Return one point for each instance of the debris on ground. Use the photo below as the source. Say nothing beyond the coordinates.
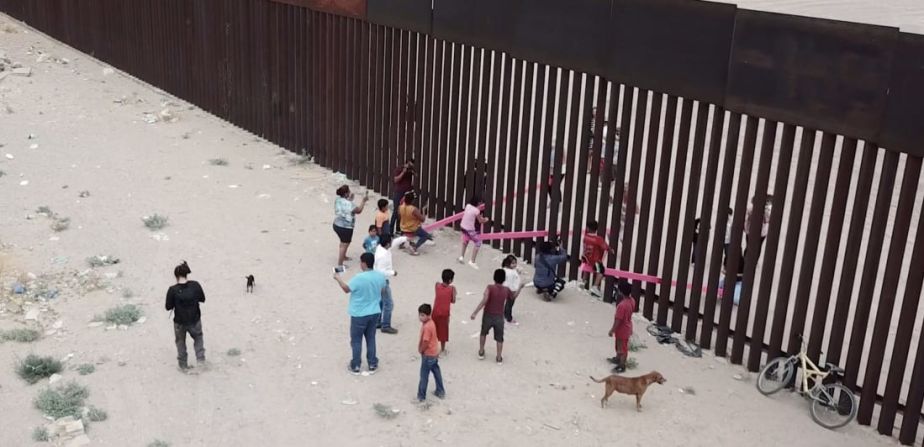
(385, 411)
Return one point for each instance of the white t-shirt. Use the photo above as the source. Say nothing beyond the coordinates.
(513, 279)
(468, 218)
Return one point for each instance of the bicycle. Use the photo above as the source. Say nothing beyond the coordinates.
(830, 399)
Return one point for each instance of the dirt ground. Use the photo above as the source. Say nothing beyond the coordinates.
(264, 216)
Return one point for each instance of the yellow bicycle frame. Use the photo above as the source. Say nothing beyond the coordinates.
(810, 370)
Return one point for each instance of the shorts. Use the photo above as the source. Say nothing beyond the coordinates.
(442, 327)
(597, 267)
(622, 346)
(495, 322)
(345, 234)
(471, 236)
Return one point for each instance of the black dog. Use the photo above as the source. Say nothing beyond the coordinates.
(250, 283)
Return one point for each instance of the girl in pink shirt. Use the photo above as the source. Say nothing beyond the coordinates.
(470, 233)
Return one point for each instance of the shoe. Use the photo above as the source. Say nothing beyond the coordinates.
(546, 296)
(389, 330)
(595, 291)
(473, 265)
(353, 371)
(619, 369)
(480, 355)
(499, 360)
(439, 395)
(373, 369)
(461, 260)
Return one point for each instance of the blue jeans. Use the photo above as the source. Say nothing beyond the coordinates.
(395, 218)
(388, 305)
(422, 236)
(428, 364)
(361, 327)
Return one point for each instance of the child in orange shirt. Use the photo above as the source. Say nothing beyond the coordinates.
(429, 350)
(382, 217)
(445, 296)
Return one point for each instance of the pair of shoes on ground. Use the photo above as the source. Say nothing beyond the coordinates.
(498, 359)
(438, 396)
(619, 368)
(356, 371)
(470, 263)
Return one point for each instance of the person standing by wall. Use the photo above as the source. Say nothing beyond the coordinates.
(404, 183)
(345, 218)
(183, 298)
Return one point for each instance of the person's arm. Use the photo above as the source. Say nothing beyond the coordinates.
(343, 285)
(169, 304)
(362, 204)
(516, 293)
(616, 323)
(401, 174)
(419, 215)
(201, 293)
(453, 295)
(481, 305)
(425, 337)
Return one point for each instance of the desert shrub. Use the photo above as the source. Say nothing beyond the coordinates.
(631, 363)
(96, 415)
(102, 260)
(22, 335)
(127, 293)
(34, 368)
(385, 411)
(44, 210)
(234, 352)
(155, 221)
(65, 400)
(86, 368)
(635, 345)
(218, 162)
(40, 434)
(60, 224)
(124, 314)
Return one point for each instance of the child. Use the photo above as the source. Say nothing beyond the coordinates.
(622, 329)
(382, 217)
(546, 279)
(372, 241)
(445, 297)
(511, 282)
(412, 219)
(383, 265)
(595, 248)
(470, 231)
(495, 296)
(429, 351)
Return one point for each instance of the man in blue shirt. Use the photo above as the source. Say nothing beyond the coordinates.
(365, 309)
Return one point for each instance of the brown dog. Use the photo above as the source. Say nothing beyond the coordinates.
(629, 385)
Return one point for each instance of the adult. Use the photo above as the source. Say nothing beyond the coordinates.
(412, 219)
(183, 298)
(404, 183)
(366, 290)
(546, 279)
(345, 212)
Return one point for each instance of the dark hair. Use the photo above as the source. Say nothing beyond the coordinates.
(368, 259)
(506, 262)
(474, 200)
(373, 227)
(545, 247)
(383, 203)
(425, 309)
(182, 270)
(385, 240)
(625, 287)
(410, 197)
(500, 276)
(343, 190)
(448, 276)
(592, 226)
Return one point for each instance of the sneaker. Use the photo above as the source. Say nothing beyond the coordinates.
(461, 260)
(480, 355)
(546, 296)
(373, 369)
(353, 371)
(473, 265)
(619, 369)
(389, 330)
(595, 291)
(499, 360)
(439, 395)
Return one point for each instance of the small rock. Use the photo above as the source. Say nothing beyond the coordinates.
(32, 136)
(54, 379)
(24, 183)
(58, 324)
(73, 427)
(22, 71)
(122, 363)
(111, 327)
(142, 320)
(33, 146)
(9, 156)
(108, 71)
(95, 324)
(123, 327)
(32, 314)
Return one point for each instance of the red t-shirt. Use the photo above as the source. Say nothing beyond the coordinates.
(594, 248)
(405, 184)
(443, 300)
(498, 294)
(623, 319)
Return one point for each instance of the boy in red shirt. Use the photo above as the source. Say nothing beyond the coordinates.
(445, 297)
(595, 248)
(429, 349)
(495, 298)
(622, 331)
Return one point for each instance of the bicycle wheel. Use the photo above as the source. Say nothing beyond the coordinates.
(833, 405)
(775, 375)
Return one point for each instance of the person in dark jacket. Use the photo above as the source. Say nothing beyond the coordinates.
(546, 279)
(183, 299)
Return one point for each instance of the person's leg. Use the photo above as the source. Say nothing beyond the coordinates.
(438, 378)
(179, 335)
(499, 338)
(395, 218)
(508, 311)
(481, 342)
(198, 341)
(388, 306)
(464, 247)
(424, 379)
(598, 279)
(500, 351)
(475, 252)
(369, 334)
(422, 237)
(356, 342)
(343, 251)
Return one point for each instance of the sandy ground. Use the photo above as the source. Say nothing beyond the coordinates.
(260, 215)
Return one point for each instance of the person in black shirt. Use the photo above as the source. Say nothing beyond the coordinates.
(183, 298)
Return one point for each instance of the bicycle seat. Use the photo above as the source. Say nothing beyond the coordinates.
(832, 368)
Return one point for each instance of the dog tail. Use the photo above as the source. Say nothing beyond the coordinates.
(595, 380)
